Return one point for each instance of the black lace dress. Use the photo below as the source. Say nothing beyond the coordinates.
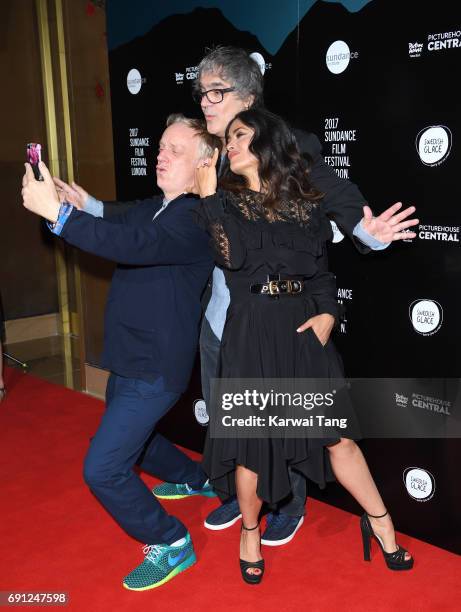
(260, 338)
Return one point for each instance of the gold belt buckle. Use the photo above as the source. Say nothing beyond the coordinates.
(274, 288)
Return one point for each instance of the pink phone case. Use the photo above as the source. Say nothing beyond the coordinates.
(34, 156)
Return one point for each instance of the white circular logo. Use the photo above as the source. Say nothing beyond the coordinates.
(419, 483)
(426, 316)
(337, 234)
(434, 144)
(338, 57)
(134, 81)
(258, 58)
(200, 412)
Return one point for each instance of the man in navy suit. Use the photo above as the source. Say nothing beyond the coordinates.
(151, 334)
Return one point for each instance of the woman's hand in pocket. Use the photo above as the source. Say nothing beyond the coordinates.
(321, 325)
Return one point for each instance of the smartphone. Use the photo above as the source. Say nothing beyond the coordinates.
(34, 156)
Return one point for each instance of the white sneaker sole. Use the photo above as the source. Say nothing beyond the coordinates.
(285, 540)
(223, 525)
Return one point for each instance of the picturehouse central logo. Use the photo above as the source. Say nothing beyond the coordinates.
(426, 316)
(338, 56)
(419, 483)
(134, 81)
(433, 144)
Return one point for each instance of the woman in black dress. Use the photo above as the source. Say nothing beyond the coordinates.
(267, 224)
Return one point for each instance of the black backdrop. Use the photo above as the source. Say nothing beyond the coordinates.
(398, 79)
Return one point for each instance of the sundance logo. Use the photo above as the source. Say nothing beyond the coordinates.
(338, 56)
(434, 144)
(426, 316)
(419, 483)
(259, 59)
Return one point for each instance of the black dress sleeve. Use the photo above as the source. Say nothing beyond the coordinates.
(322, 285)
(218, 215)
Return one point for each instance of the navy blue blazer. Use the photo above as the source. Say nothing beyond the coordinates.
(153, 309)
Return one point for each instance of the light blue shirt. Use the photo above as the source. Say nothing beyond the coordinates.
(220, 296)
(94, 207)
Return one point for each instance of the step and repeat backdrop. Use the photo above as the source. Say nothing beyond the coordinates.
(376, 80)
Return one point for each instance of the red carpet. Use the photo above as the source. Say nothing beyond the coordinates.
(56, 537)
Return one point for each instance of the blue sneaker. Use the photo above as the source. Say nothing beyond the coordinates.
(280, 529)
(161, 564)
(223, 516)
(169, 490)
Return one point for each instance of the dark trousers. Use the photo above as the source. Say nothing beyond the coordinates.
(133, 408)
(209, 358)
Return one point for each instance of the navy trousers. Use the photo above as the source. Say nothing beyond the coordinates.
(133, 408)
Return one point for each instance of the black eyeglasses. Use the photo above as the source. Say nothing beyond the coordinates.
(215, 96)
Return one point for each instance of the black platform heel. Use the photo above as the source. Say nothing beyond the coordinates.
(246, 565)
(395, 560)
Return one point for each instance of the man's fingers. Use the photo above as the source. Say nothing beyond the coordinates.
(61, 194)
(29, 175)
(401, 226)
(79, 190)
(402, 215)
(61, 184)
(390, 212)
(367, 213)
(45, 173)
(404, 236)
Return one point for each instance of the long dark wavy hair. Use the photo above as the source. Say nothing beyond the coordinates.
(283, 172)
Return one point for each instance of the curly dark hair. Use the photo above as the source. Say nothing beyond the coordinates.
(283, 172)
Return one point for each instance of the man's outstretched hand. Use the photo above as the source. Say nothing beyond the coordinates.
(389, 225)
(40, 197)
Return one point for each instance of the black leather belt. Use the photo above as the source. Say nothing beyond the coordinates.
(276, 286)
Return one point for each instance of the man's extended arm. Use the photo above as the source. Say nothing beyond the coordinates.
(82, 200)
(173, 240)
(343, 200)
(108, 210)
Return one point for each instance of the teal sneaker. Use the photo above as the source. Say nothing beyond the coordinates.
(161, 564)
(169, 490)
